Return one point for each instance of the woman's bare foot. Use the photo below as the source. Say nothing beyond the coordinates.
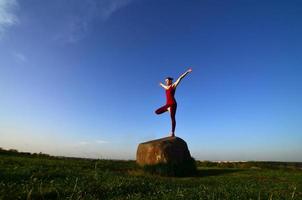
(172, 135)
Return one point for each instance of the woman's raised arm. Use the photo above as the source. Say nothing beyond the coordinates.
(175, 84)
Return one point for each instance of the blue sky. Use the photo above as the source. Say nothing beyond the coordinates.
(80, 78)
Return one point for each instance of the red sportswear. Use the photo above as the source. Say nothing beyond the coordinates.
(170, 95)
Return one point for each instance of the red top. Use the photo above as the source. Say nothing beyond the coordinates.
(170, 95)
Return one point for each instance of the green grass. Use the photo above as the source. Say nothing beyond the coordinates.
(41, 177)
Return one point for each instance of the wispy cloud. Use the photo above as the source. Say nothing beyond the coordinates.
(108, 7)
(83, 143)
(90, 143)
(19, 57)
(83, 13)
(101, 142)
(8, 16)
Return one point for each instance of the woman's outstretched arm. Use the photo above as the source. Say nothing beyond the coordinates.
(165, 87)
(175, 84)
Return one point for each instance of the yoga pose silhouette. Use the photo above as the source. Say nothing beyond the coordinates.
(171, 103)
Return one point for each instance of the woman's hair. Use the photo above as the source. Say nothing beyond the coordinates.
(169, 78)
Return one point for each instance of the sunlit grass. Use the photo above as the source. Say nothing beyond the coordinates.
(34, 177)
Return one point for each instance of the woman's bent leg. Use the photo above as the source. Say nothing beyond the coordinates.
(162, 109)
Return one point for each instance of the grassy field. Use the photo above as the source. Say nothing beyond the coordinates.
(43, 177)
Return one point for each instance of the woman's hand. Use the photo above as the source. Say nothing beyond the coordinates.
(162, 85)
(189, 70)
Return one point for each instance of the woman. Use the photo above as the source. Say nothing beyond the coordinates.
(171, 103)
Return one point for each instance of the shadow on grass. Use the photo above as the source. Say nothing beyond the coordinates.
(186, 168)
(215, 172)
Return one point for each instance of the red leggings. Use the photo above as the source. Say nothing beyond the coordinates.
(172, 113)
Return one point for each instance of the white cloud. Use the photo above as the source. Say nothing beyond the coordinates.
(75, 19)
(83, 143)
(91, 143)
(107, 8)
(78, 22)
(8, 17)
(19, 57)
(101, 141)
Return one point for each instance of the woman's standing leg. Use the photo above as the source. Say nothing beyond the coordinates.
(172, 110)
